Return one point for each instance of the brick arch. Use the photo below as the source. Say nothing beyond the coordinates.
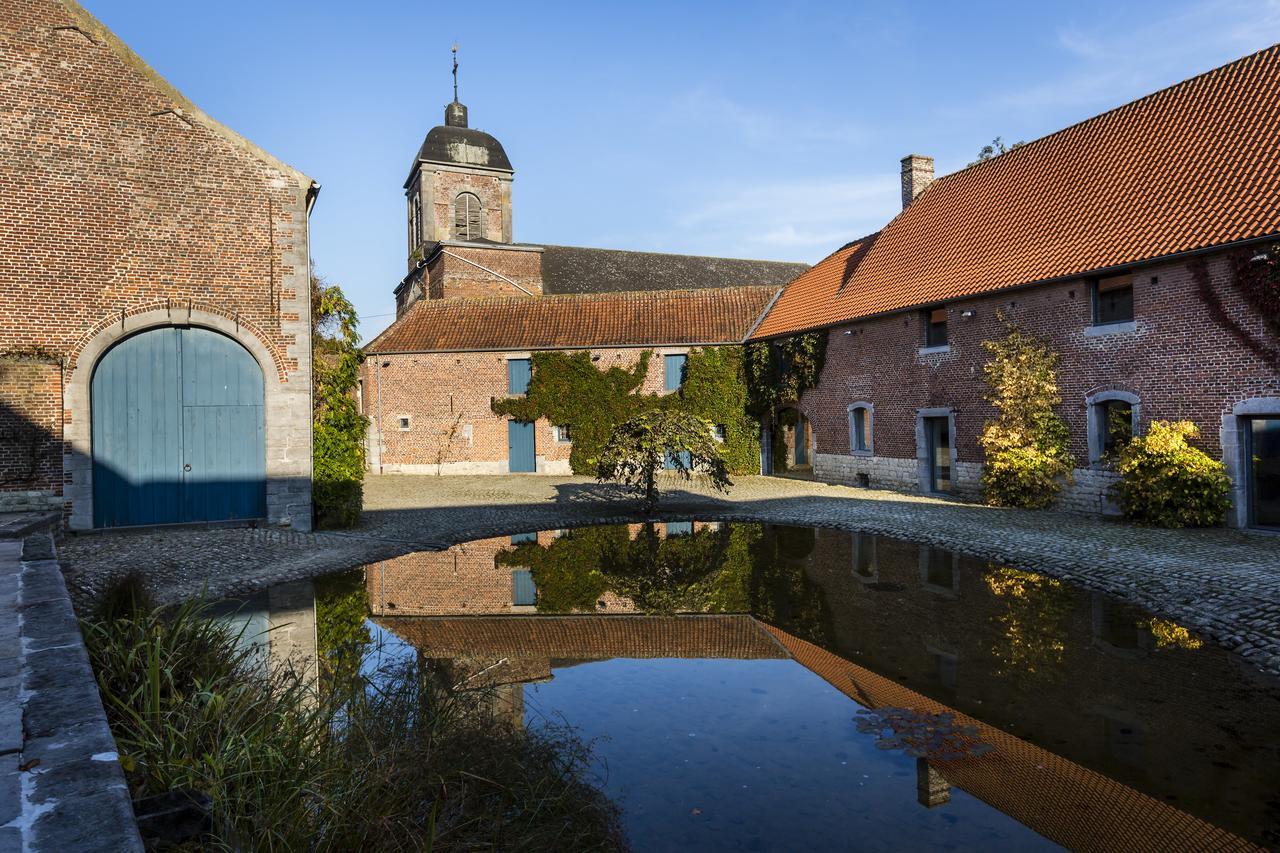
(88, 351)
(98, 338)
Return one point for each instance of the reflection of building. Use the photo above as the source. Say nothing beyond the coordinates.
(279, 624)
(1050, 794)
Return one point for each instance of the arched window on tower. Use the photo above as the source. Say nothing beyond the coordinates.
(468, 217)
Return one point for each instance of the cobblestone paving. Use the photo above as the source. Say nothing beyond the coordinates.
(1222, 583)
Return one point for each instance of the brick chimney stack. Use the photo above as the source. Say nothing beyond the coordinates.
(917, 173)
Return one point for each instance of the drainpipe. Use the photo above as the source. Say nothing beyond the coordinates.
(378, 382)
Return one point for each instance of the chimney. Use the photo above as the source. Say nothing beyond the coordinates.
(917, 173)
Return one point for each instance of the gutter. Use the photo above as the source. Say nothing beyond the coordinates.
(1009, 288)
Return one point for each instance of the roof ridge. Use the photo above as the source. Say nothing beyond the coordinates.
(670, 254)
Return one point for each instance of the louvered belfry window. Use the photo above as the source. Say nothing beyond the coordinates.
(468, 217)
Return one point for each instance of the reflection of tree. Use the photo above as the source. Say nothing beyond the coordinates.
(342, 604)
(1170, 635)
(738, 568)
(1032, 642)
(706, 571)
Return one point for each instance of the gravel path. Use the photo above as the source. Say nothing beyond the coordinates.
(1222, 583)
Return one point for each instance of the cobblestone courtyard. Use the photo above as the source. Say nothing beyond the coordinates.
(1222, 583)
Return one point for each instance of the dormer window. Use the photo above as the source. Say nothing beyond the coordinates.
(468, 217)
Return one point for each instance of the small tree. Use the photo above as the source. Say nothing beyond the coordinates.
(1025, 447)
(995, 149)
(339, 429)
(646, 443)
(1166, 482)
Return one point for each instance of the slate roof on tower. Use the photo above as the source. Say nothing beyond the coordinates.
(643, 318)
(1193, 166)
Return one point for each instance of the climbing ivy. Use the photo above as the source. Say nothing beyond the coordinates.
(338, 427)
(780, 370)
(568, 389)
(1255, 276)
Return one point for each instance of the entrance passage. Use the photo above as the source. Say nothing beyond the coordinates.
(938, 437)
(521, 453)
(1263, 438)
(178, 431)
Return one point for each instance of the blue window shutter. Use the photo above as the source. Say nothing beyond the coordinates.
(523, 591)
(674, 367)
(519, 372)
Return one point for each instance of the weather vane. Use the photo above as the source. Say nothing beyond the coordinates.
(455, 72)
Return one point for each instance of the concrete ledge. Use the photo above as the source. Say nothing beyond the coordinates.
(72, 793)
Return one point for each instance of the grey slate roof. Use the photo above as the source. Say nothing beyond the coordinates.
(577, 269)
(465, 146)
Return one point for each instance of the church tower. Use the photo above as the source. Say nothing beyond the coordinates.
(459, 186)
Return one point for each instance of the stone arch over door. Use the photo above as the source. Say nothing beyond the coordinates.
(177, 430)
(286, 412)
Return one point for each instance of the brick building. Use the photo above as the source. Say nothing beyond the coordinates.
(155, 357)
(1125, 241)
(474, 306)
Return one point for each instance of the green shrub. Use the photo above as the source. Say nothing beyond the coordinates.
(1025, 446)
(338, 433)
(1166, 482)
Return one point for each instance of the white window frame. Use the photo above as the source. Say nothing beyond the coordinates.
(404, 422)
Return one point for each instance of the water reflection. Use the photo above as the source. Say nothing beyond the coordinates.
(1012, 702)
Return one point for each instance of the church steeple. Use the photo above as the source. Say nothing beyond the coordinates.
(455, 115)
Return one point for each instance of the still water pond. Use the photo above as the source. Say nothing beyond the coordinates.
(757, 687)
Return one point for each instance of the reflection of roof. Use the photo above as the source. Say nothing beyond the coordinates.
(1191, 166)
(657, 318)
(1068, 804)
(578, 269)
(587, 637)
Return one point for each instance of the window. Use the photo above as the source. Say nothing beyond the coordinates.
(860, 421)
(674, 369)
(935, 333)
(679, 528)
(717, 432)
(415, 221)
(864, 557)
(523, 591)
(519, 372)
(1113, 300)
(1112, 422)
(468, 217)
(563, 434)
(404, 424)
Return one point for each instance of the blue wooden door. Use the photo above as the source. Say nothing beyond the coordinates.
(521, 453)
(178, 431)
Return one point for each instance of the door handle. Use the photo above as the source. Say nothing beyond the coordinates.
(186, 467)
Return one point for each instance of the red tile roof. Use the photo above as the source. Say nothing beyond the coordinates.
(656, 318)
(1192, 166)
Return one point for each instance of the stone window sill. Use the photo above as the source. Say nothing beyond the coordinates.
(934, 350)
(862, 453)
(1111, 329)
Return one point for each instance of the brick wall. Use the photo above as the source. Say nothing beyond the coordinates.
(446, 397)
(1174, 358)
(483, 272)
(122, 205)
(30, 433)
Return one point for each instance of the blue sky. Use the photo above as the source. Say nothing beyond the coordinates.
(769, 129)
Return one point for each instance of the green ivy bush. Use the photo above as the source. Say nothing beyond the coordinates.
(1166, 482)
(338, 428)
(1025, 446)
(780, 370)
(715, 388)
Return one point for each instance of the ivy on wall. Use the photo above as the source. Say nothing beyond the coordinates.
(778, 371)
(1256, 277)
(569, 390)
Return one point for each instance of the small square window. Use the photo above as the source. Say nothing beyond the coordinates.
(935, 327)
(1113, 300)
(563, 434)
(717, 432)
(404, 424)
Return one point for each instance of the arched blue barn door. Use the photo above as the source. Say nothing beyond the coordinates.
(178, 431)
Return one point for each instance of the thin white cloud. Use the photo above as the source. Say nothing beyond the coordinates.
(706, 107)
